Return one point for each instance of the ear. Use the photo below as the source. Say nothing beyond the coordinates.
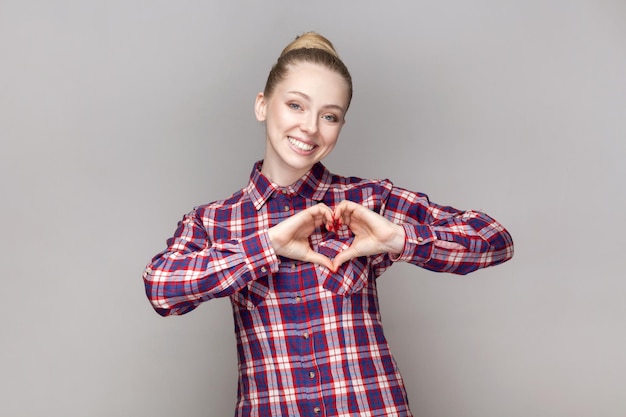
(260, 107)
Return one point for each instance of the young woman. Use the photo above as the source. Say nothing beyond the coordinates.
(298, 251)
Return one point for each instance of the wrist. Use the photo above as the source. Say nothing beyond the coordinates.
(397, 243)
(273, 238)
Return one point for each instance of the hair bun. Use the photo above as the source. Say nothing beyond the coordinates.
(310, 47)
(311, 40)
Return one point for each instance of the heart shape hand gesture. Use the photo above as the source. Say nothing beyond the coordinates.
(373, 234)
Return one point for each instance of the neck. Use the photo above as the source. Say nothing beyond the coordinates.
(281, 174)
(281, 177)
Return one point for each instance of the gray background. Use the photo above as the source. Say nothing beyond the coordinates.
(116, 117)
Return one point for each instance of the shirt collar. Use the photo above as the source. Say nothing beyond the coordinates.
(313, 185)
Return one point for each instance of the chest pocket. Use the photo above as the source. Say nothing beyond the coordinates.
(351, 277)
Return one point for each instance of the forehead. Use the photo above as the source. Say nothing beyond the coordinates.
(317, 82)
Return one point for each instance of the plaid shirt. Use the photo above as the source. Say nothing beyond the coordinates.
(310, 342)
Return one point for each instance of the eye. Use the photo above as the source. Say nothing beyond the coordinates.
(294, 106)
(330, 118)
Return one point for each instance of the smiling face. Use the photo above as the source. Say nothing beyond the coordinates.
(303, 118)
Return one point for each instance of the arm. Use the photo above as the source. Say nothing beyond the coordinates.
(412, 229)
(445, 239)
(192, 269)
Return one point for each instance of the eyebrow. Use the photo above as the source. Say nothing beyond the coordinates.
(305, 96)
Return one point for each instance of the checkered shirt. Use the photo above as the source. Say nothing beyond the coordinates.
(310, 342)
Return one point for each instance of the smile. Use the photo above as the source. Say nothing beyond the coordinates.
(300, 145)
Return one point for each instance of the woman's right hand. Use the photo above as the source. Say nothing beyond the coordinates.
(290, 238)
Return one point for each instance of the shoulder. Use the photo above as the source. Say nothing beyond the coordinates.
(218, 208)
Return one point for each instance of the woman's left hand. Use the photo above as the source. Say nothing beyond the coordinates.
(373, 234)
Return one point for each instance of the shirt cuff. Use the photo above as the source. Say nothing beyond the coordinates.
(259, 254)
(418, 244)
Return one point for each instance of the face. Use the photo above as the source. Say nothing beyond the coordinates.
(303, 118)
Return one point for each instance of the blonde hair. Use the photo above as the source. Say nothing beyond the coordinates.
(309, 47)
(311, 40)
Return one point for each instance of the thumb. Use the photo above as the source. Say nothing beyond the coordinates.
(344, 256)
(318, 258)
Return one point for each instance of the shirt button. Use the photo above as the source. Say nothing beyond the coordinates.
(286, 208)
(298, 298)
(420, 239)
(293, 267)
(263, 269)
(317, 410)
(305, 335)
(311, 374)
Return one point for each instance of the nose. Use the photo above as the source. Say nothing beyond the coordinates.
(309, 123)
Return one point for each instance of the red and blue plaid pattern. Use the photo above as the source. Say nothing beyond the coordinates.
(310, 342)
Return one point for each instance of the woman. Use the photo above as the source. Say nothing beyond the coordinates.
(299, 249)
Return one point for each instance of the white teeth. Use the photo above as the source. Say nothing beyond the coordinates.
(300, 145)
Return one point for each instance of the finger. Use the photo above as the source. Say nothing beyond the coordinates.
(321, 208)
(341, 208)
(344, 256)
(307, 220)
(321, 213)
(320, 259)
(345, 210)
